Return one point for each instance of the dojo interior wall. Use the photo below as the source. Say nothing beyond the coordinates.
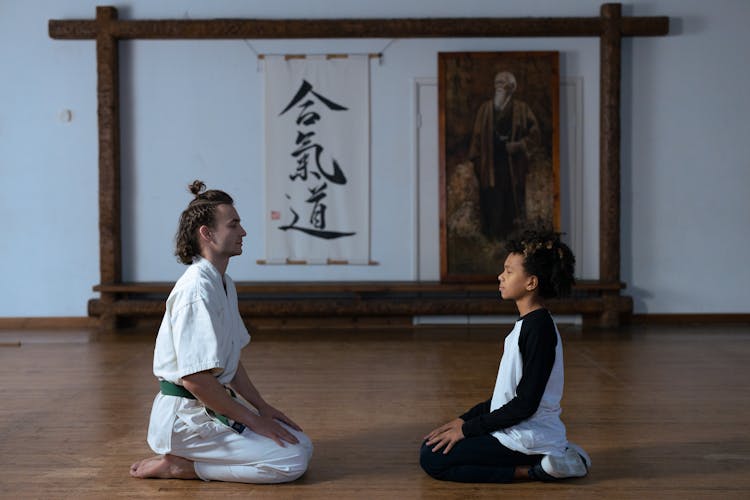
(193, 109)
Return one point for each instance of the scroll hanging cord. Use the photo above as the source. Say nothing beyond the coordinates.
(380, 55)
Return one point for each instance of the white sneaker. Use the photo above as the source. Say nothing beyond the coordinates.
(585, 456)
(574, 463)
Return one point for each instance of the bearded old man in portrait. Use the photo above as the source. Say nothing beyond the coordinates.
(506, 134)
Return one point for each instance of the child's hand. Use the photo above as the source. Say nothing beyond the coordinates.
(446, 436)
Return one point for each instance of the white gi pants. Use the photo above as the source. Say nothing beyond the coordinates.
(243, 458)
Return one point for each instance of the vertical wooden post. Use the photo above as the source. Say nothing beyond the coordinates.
(108, 111)
(609, 152)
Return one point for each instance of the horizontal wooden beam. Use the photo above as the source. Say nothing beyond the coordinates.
(47, 323)
(691, 318)
(478, 27)
(383, 287)
(373, 307)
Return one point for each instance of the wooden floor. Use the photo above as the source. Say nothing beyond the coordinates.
(664, 411)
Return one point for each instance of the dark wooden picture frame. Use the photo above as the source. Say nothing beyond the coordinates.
(499, 155)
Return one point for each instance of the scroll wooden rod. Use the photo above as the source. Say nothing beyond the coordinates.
(329, 262)
(480, 27)
(328, 56)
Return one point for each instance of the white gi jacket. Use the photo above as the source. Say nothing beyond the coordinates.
(201, 330)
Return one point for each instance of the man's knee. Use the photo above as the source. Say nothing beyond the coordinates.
(298, 462)
(305, 443)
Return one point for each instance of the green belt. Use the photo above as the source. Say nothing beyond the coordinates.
(170, 389)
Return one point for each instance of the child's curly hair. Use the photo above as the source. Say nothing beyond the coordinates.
(547, 258)
(199, 212)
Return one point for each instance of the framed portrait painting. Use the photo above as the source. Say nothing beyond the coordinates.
(499, 156)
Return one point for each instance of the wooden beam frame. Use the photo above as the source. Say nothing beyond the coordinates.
(107, 30)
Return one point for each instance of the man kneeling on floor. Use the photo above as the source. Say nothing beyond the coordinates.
(199, 427)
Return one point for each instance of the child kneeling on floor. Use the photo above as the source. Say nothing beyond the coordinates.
(518, 434)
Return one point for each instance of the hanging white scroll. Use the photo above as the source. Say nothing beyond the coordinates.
(317, 140)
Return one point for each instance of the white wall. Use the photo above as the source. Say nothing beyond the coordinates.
(193, 110)
(686, 161)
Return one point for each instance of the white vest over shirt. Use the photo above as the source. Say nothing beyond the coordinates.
(543, 432)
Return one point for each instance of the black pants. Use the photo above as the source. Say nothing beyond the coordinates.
(480, 459)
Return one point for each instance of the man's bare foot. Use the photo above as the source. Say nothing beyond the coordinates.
(164, 467)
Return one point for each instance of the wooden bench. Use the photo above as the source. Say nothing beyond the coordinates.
(599, 303)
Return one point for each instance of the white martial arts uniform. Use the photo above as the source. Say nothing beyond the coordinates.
(202, 330)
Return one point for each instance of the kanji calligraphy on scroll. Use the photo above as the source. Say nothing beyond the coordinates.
(317, 159)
